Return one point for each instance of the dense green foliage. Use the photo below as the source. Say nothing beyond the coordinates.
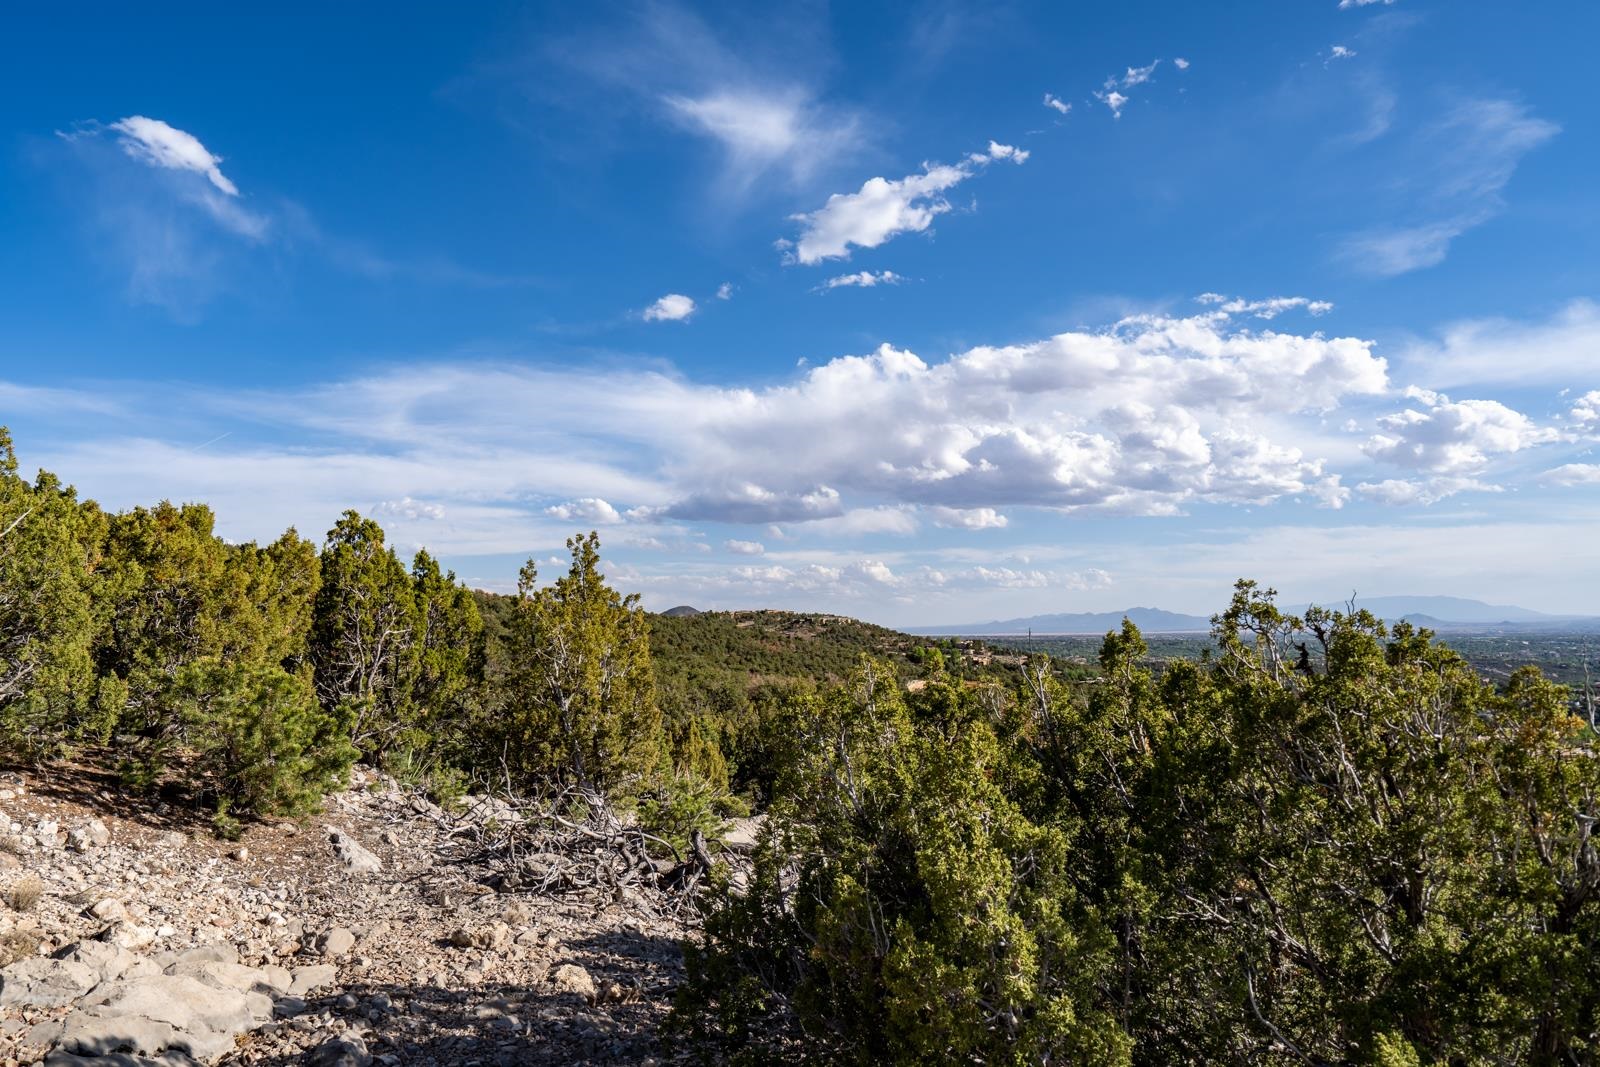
(257, 675)
(1358, 855)
(49, 546)
(580, 703)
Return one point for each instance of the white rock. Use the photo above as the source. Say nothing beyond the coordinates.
(88, 835)
(352, 853)
(39, 982)
(108, 910)
(304, 980)
(570, 978)
(335, 942)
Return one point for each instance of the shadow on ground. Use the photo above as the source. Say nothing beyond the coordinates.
(497, 1024)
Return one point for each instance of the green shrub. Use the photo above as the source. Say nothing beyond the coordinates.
(256, 742)
(905, 911)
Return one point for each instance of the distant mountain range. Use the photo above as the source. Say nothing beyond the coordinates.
(1434, 612)
(1150, 620)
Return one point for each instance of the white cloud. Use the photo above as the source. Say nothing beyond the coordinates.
(1269, 308)
(406, 508)
(1001, 151)
(674, 307)
(864, 279)
(745, 548)
(160, 145)
(757, 99)
(1585, 414)
(1573, 474)
(1181, 63)
(748, 502)
(1137, 75)
(1056, 104)
(589, 509)
(883, 209)
(1463, 164)
(1339, 51)
(1401, 492)
(725, 291)
(761, 129)
(1453, 436)
(1493, 351)
(969, 518)
(1113, 100)
(1151, 415)
(1345, 5)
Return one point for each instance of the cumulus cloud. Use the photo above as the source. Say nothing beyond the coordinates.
(1339, 51)
(725, 291)
(1181, 63)
(1000, 151)
(1113, 100)
(674, 307)
(590, 509)
(749, 502)
(745, 548)
(1400, 492)
(1464, 163)
(1056, 104)
(968, 518)
(1569, 474)
(1151, 415)
(1585, 414)
(865, 279)
(883, 209)
(1453, 437)
(406, 508)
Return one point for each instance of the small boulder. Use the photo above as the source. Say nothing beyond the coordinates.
(742, 833)
(88, 835)
(108, 910)
(346, 1050)
(496, 935)
(306, 980)
(356, 858)
(570, 978)
(126, 934)
(334, 942)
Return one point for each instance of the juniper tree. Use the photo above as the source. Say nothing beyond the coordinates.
(447, 686)
(363, 641)
(49, 543)
(580, 703)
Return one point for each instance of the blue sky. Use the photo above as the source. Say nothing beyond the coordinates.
(922, 314)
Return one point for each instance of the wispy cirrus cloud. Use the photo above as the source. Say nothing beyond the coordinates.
(751, 87)
(160, 210)
(1458, 173)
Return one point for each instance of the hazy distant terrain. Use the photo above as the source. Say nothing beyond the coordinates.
(1438, 613)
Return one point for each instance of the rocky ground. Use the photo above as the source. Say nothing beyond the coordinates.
(383, 930)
